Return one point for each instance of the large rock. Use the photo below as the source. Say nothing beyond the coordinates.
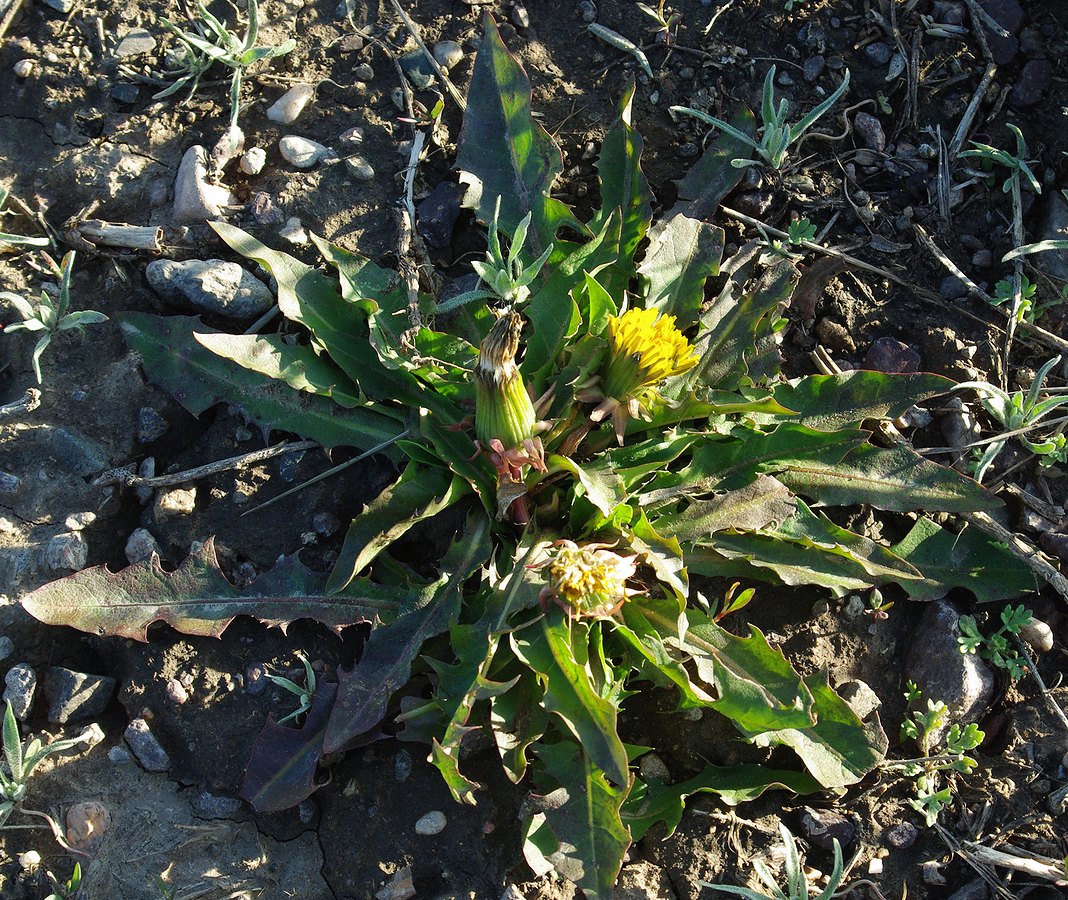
(76, 696)
(196, 198)
(213, 285)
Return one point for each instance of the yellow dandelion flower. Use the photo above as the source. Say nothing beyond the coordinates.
(644, 349)
(589, 581)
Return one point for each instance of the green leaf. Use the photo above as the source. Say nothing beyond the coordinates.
(298, 365)
(419, 494)
(12, 743)
(658, 663)
(599, 482)
(546, 646)
(197, 378)
(624, 189)
(464, 460)
(733, 327)
(504, 152)
(584, 818)
(896, 479)
(762, 503)
(197, 599)
(518, 720)
(756, 687)
(662, 553)
(596, 305)
(969, 560)
(839, 750)
(712, 177)
(648, 804)
(683, 254)
(832, 402)
(385, 665)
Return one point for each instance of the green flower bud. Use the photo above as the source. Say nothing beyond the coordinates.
(503, 409)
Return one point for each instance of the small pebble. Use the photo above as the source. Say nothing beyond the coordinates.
(363, 72)
(141, 545)
(1031, 83)
(196, 197)
(287, 108)
(351, 43)
(813, 67)
(9, 484)
(147, 469)
(875, 866)
(145, 747)
(982, 259)
(399, 887)
(86, 824)
(902, 836)
(878, 54)
(402, 765)
(23, 68)
(174, 503)
(359, 168)
(869, 130)
(125, 92)
(93, 735)
(448, 53)
(353, 136)
(176, 692)
(135, 42)
(119, 754)
(256, 680)
(301, 152)
(520, 16)
(931, 875)
(652, 768)
(253, 160)
(151, 426)
(890, 355)
(264, 211)
(29, 861)
(20, 683)
(306, 811)
(952, 288)
(78, 521)
(588, 11)
(67, 551)
(432, 823)
(325, 523)
(214, 806)
(76, 696)
(293, 232)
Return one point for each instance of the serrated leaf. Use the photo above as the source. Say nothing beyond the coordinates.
(648, 804)
(838, 749)
(659, 664)
(197, 379)
(197, 599)
(712, 177)
(732, 330)
(386, 662)
(518, 720)
(281, 769)
(660, 552)
(504, 152)
(969, 560)
(570, 695)
(897, 479)
(755, 686)
(420, 493)
(683, 254)
(761, 503)
(832, 402)
(585, 820)
(296, 364)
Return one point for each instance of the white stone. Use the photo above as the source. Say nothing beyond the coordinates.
(287, 108)
(195, 197)
(253, 161)
(301, 152)
(432, 823)
(359, 168)
(293, 232)
(23, 68)
(448, 53)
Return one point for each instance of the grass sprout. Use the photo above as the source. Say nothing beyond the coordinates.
(49, 317)
(212, 42)
(776, 136)
(17, 240)
(304, 693)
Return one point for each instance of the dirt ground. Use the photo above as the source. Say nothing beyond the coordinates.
(81, 135)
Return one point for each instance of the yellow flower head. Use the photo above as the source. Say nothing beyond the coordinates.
(644, 348)
(590, 580)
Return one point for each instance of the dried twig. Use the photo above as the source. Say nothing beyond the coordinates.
(1022, 549)
(125, 475)
(457, 97)
(1019, 860)
(9, 16)
(28, 402)
(966, 120)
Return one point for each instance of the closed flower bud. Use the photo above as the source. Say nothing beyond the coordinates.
(503, 409)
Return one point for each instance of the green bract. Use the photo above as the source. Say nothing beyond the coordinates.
(571, 584)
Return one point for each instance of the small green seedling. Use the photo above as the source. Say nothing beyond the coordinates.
(734, 601)
(667, 22)
(17, 240)
(797, 887)
(1017, 165)
(1026, 311)
(50, 317)
(878, 608)
(797, 232)
(776, 136)
(997, 648)
(931, 795)
(1019, 413)
(213, 42)
(507, 279)
(66, 890)
(304, 693)
(21, 760)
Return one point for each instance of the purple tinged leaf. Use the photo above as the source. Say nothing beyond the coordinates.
(281, 770)
(198, 599)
